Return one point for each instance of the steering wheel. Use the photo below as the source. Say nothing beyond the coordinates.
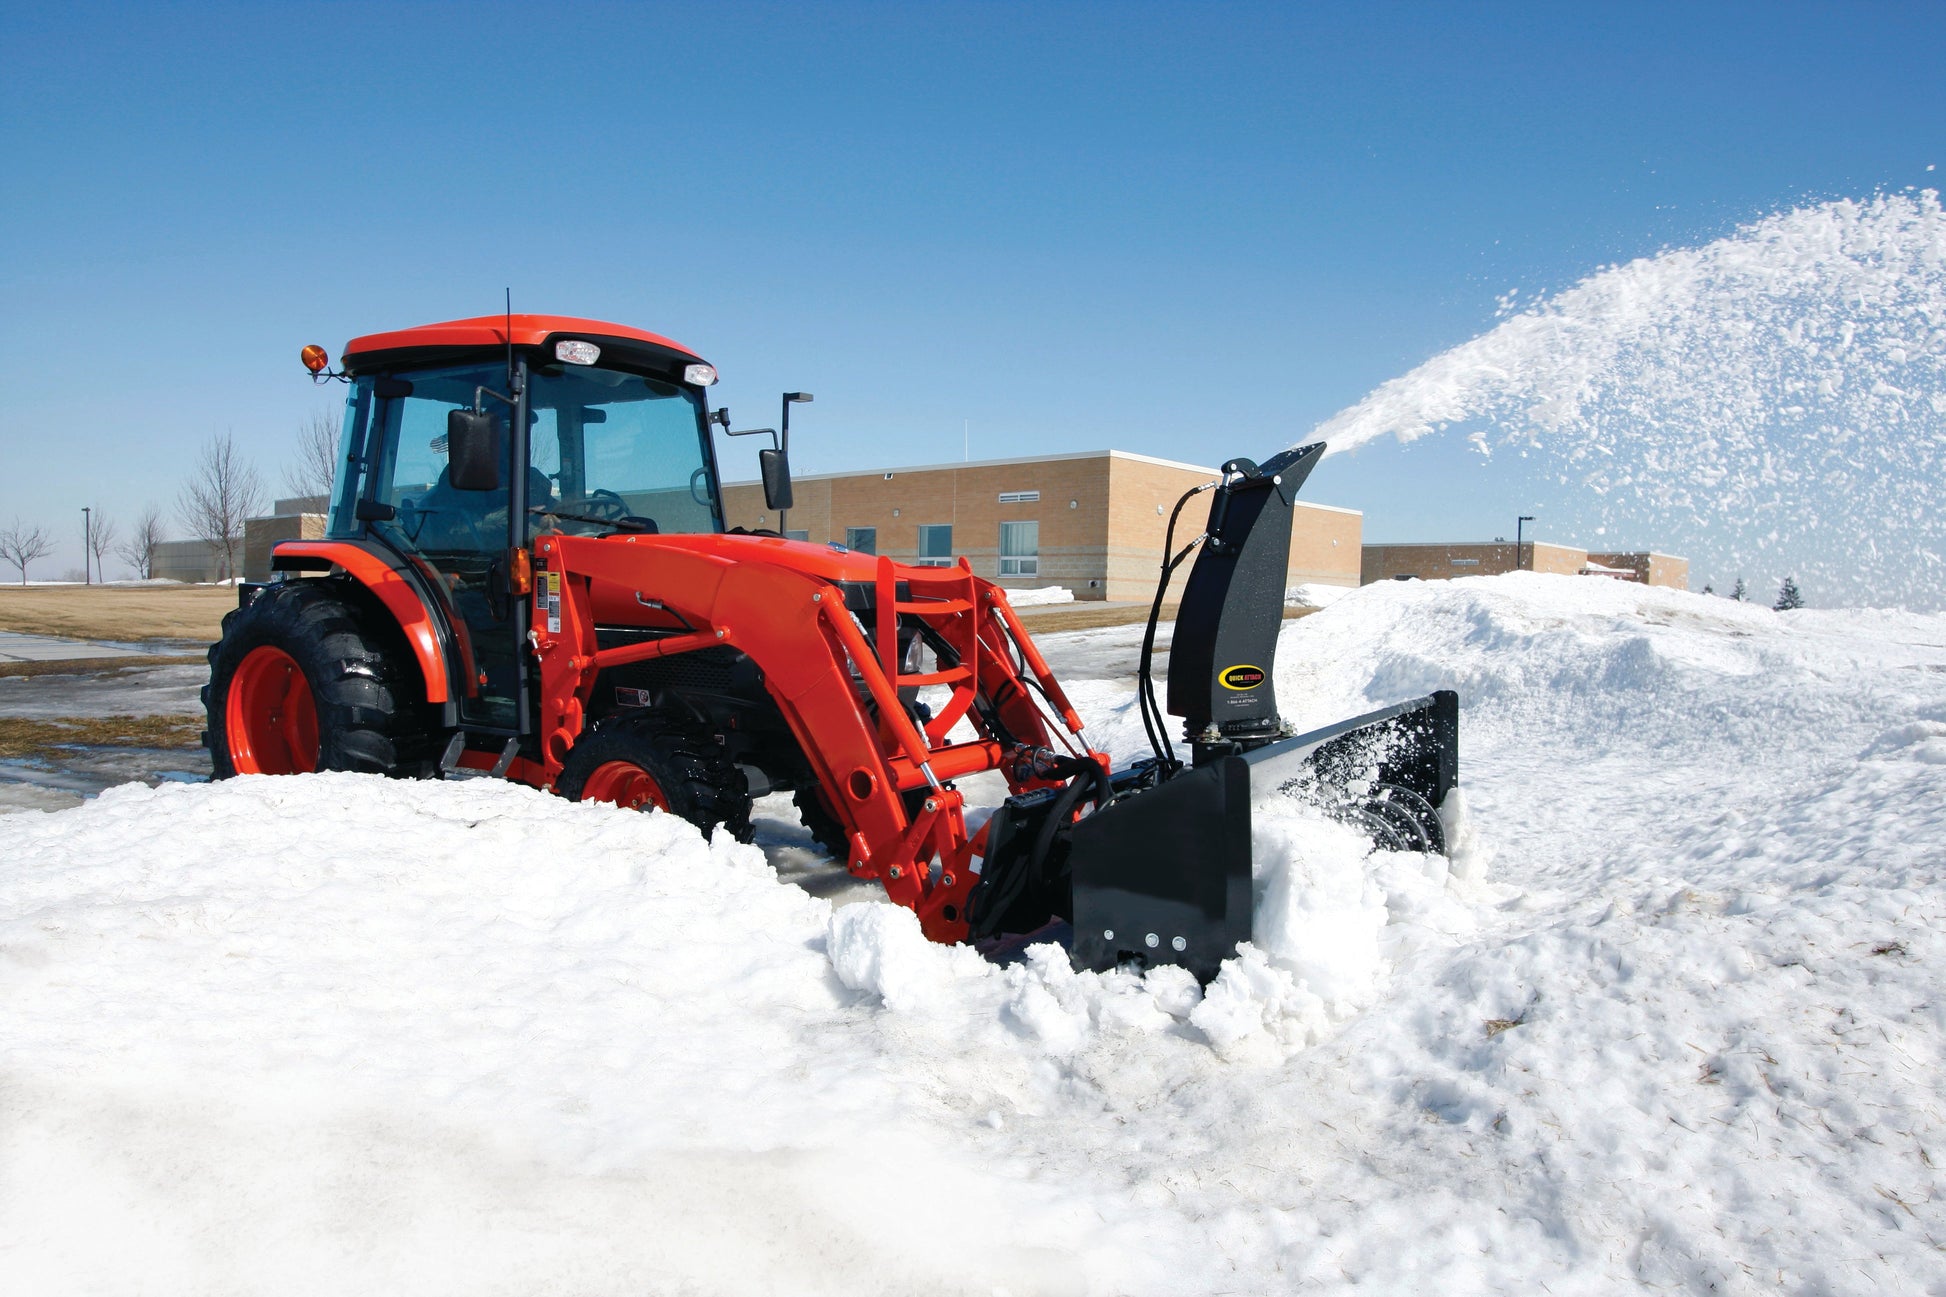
(699, 487)
(411, 519)
(414, 519)
(607, 504)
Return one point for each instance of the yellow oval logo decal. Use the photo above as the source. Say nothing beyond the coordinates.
(1241, 677)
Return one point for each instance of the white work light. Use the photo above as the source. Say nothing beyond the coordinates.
(700, 375)
(577, 353)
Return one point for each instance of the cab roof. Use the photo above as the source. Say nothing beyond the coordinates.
(428, 342)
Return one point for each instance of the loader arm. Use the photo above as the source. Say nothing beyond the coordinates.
(885, 775)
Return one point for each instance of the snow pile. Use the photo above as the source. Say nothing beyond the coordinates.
(333, 1033)
(1771, 402)
(1315, 595)
(1046, 594)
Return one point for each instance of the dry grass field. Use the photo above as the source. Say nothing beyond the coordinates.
(109, 612)
(21, 737)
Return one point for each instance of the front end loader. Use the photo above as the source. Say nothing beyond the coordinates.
(527, 574)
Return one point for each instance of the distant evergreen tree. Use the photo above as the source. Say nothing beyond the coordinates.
(1739, 593)
(1787, 596)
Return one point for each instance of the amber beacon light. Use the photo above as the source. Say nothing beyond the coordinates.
(314, 358)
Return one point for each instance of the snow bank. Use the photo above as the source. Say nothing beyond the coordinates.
(1046, 594)
(1314, 595)
(331, 1033)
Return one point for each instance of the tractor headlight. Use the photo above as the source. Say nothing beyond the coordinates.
(577, 353)
(700, 375)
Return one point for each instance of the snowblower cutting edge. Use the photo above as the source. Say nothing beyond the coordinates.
(526, 574)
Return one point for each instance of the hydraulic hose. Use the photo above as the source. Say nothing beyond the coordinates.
(1086, 779)
(1153, 722)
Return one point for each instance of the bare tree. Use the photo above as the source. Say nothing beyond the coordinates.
(138, 551)
(317, 456)
(21, 545)
(101, 539)
(223, 491)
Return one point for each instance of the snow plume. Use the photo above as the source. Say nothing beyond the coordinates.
(1771, 402)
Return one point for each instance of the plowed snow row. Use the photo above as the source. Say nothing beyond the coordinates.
(1672, 1018)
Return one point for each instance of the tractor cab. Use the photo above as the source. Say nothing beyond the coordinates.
(566, 427)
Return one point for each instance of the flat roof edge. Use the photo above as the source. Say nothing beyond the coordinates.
(1067, 456)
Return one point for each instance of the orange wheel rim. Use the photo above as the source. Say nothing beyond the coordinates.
(626, 785)
(270, 719)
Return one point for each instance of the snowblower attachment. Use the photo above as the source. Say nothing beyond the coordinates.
(1160, 873)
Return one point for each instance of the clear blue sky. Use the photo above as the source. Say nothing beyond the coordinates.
(1186, 230)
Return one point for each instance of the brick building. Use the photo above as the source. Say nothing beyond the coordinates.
(299, 518)
(185, 560)
(1091, 521)
(1440, 560)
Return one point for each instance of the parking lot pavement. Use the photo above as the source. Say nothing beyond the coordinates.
(15, 647)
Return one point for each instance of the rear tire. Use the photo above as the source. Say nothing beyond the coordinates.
(648, 758)
(303, 680)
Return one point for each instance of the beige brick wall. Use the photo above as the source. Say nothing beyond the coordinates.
(1071, 512)
(1144, 493)
(1649, 567)
(1100, 530)
(185, 560)
(259, 534)
(1326, 545)
(1439, 562)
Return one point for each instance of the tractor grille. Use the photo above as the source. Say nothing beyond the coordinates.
(710, 670)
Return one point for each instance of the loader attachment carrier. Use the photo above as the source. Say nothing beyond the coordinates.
(527, 574)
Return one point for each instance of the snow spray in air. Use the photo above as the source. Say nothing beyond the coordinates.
(1773, 402)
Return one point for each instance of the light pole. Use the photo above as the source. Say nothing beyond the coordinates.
(790, 399)
(87, 537)
(1520, 525)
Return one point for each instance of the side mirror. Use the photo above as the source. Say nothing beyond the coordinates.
(472, 451)
(775, 465)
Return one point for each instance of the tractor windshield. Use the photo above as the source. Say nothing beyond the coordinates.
(616, 447)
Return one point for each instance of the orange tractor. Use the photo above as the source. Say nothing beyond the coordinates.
(527, 574)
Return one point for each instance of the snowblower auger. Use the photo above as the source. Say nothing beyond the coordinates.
(1160, 872)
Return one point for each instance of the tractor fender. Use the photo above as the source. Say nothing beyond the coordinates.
(379, 573)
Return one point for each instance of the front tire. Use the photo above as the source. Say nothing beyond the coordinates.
(303, 680)
(827, 830)
(640, 759)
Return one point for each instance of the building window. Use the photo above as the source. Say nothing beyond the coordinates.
(1019, 497)
(1020, 549)
(861, 540)
(935, 545)
(794, 534)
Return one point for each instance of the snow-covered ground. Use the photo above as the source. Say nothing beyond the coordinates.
(1671, 1019)
(1040, 596)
